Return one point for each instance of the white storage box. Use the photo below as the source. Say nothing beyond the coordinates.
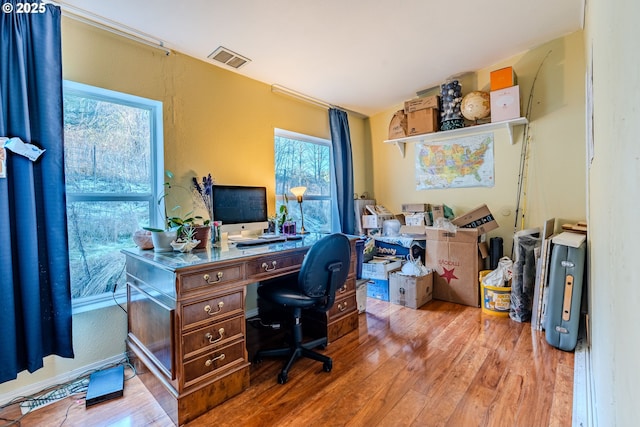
(379, 269)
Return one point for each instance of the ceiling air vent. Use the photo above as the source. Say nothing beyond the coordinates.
(228, 57)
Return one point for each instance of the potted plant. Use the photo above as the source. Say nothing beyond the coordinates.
(283, 213)
(174, 224)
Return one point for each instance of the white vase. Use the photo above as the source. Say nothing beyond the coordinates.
(162, 240)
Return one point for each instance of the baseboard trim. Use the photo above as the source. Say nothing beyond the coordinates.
(583, 396)
(35, 388)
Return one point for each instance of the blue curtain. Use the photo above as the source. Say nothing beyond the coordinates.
(341, 143)
(35, 295)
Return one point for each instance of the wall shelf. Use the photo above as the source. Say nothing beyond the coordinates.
(448, 134)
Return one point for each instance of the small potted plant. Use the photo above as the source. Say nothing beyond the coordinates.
(283, 214)
(173, 224)
(186, 241)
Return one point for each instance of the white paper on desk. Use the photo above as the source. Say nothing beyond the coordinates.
(16, 145)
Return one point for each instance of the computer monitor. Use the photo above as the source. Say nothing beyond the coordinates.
(242, 209)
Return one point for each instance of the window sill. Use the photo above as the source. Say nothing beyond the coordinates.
(98, 302)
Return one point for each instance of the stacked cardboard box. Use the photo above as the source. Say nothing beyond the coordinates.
(416, 214)
(505, 95)
(375, 216)
(423, 115)
(377, 271)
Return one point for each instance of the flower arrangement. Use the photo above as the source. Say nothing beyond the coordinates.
(203, 195)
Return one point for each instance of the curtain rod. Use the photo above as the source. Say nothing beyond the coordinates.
(281, 89)
(113, 27)
(276, 88)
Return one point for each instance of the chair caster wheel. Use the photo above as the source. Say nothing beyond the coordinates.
(327, 366)
(282, 378)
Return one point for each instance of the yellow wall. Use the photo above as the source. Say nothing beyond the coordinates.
(556, 171)
(215, 121)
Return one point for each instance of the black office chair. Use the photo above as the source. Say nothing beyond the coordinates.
(323, 271)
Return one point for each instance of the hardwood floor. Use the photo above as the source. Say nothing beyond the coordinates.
(441, 365)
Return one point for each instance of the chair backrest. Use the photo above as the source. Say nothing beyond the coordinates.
(325, 268)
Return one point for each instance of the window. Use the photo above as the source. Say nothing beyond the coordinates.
(113, 171)
(302, 160)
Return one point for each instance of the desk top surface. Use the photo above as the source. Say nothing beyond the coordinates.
(227, 252)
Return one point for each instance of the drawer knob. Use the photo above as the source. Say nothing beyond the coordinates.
(342, 306)
(207, 278)
(210, 337)
(266, 267)
(209, 362)
(207, 308)
(342, 290)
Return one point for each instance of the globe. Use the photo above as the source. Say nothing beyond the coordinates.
(476, 105)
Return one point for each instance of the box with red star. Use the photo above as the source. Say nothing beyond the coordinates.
(456, 259)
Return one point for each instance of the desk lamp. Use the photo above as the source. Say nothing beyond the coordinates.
(299, 192)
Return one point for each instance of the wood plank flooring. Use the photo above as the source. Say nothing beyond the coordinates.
(441, 365)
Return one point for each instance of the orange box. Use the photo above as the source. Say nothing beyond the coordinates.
(503, 78)
(422, 121)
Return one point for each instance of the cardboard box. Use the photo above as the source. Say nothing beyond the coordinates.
(422, 103)
(422, 121)
(456, 261)
(440, 211)
(377, 214)
(385, 246)
(414, 219)
(415, 231)
(398, 125)
(437, 211)
(505, 104)
(378, 289)
(379, 269)
(415, 207)
(503, 78)
(480, 218)
(410, 291)
(370, 221)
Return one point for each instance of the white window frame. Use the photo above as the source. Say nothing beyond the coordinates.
(335, 225)
(80, 305)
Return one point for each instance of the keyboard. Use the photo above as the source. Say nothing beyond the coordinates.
(259, 241)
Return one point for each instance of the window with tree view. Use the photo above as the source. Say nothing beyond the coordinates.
(302, 160)
(113, 152)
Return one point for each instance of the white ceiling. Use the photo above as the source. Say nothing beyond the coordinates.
(362, 55)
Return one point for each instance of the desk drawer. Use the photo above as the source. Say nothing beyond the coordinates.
(210, 278)
(349, 285)
(212, 309)
(343, 306)
(273, 265)
(216, 361)
(212, 336)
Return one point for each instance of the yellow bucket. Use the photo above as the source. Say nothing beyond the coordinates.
(496, 300)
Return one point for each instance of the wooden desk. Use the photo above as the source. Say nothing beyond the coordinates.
(186, 319)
